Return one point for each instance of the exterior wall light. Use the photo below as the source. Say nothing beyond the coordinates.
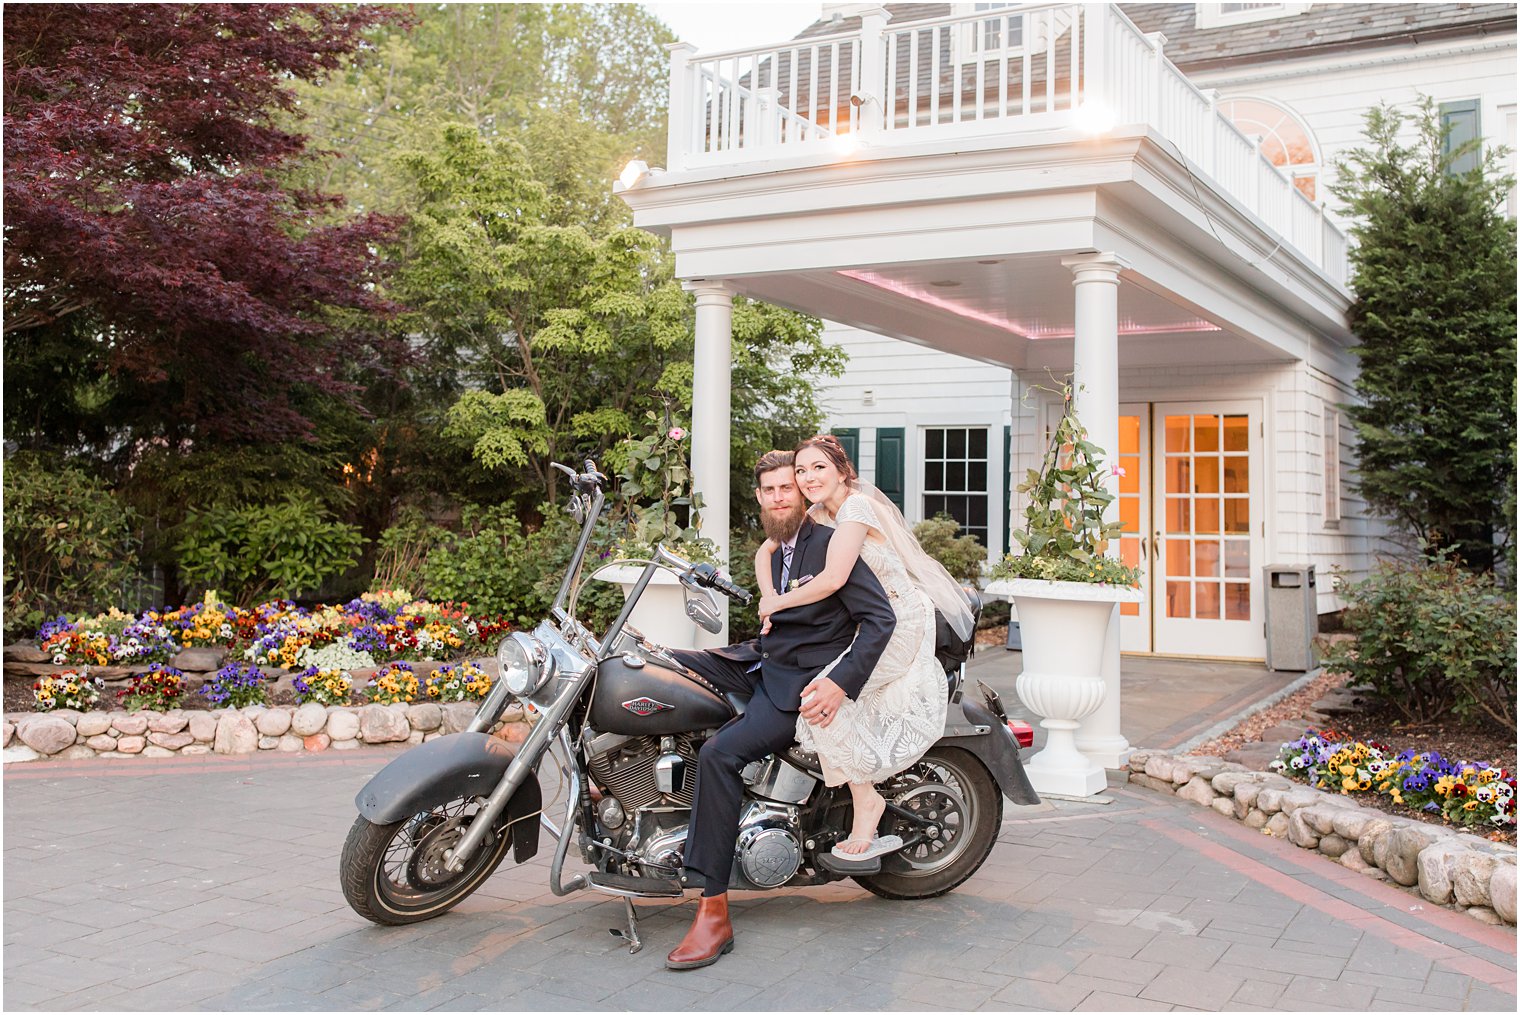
(632, 173)
(1094, 118)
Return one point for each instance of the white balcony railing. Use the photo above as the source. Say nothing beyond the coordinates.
(1039, 66)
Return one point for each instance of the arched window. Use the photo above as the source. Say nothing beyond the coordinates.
(1285, 141)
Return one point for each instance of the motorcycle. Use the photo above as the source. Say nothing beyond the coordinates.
(619, 714)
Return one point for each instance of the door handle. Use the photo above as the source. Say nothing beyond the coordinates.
(1144, 548)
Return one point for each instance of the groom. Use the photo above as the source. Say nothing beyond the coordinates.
(777, 670)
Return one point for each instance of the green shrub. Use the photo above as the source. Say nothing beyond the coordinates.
(962, 556)
(1431, 638)
(69, 544)
(265, 551)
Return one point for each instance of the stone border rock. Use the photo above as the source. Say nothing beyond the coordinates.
(1445, 867)
(288, 729)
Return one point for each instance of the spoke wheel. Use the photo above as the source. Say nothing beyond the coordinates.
(396, 873)
(953, 791)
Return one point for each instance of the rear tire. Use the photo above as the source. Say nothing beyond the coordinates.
(953, 787)
(391, 874)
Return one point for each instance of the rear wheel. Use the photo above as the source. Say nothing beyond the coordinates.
(951, 789)
(394, 873)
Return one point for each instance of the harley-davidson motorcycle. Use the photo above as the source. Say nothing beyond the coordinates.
(620, 723)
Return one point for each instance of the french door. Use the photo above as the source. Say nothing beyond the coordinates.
(1191, 507)
(1207, 529)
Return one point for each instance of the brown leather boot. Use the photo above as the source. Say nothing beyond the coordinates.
(710, 938)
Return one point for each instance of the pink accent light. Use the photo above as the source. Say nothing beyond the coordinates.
(1033, 332)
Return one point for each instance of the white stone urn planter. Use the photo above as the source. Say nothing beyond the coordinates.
(661, 613)
(1064, 626)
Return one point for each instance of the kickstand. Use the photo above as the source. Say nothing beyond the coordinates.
(631, 935)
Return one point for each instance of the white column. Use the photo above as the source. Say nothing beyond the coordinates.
(1095, 383)
(682, 97)
(711, 408)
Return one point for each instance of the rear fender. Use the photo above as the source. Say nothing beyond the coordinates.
(458, 765)
(993, 742)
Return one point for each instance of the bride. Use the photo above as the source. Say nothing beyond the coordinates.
(900, 712)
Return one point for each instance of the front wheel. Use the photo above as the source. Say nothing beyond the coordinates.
(394, 873)
(953, 790)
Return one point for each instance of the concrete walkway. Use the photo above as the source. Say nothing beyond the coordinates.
(211, 883)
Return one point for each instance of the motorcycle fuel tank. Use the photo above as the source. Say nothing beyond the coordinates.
(640, 698)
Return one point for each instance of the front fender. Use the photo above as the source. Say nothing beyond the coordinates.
(458, 765)
(996, 747)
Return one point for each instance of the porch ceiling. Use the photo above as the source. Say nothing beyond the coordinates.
(959, 248)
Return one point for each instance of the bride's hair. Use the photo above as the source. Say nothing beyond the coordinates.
(829, 446)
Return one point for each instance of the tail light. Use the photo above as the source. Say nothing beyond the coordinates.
(1022, 732)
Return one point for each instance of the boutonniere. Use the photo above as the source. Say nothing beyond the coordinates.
(797, 583)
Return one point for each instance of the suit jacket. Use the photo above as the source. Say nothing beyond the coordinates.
(805, 639)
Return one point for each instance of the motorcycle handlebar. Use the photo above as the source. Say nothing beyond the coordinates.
(584, 482)
(712, 578)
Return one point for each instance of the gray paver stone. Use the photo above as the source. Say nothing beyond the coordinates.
(309, 718)
(1334, 846)
(235, 734)
(168, 722)
(1374, 833)
(381, 725)
(133, 724)
(203, 726)
(273, 723)
(1501, 891)
(46, 734)
(1471, 874)
(1402, 861)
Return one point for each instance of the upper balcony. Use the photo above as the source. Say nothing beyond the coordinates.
(1015, 71)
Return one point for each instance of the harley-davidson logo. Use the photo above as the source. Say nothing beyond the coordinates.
(646, 706)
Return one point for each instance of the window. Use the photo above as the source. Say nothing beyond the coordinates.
(1283, 139)
(1460, 122)
(955, 477)
(996, 34)
(1332, 464)
(1221, 15)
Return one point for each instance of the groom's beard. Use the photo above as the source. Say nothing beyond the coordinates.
(781, 524)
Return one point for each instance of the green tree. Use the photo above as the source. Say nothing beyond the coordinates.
(1434, 276)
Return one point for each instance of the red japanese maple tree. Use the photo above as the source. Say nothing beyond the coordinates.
(146, 219)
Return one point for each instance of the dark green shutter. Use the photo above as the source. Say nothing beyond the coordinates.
(1007, 489)
(890, 458)
(1462, 119)
(850, 438)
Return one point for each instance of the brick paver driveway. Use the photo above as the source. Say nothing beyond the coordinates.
(211, 883)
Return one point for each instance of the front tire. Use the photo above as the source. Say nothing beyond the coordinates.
(951, 787)
(392, 874)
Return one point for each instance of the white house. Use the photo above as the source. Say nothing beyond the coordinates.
(1299, 77)
(1039, 189)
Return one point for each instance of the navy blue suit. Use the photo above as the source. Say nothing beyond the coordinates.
(801, 642)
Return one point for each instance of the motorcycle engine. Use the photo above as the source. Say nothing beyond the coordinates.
(640, 771)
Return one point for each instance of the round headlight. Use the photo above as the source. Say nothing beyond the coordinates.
(521, 659)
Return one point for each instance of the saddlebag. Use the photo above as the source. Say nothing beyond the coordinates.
(458, 765)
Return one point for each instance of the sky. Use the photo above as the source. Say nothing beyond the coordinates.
(731, 24)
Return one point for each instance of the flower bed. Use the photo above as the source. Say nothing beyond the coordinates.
(376, 628)
(68, 734)
(1464, 793)
(1444, 866)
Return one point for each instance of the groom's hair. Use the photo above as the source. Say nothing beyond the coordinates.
(771, 461)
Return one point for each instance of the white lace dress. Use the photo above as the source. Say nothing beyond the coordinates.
(900, 712)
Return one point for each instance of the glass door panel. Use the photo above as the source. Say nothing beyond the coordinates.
(1134, 513)
(1208, 541)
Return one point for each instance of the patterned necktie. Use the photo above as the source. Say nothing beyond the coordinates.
(786, 566)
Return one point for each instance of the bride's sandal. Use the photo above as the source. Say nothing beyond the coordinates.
(874, 848)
